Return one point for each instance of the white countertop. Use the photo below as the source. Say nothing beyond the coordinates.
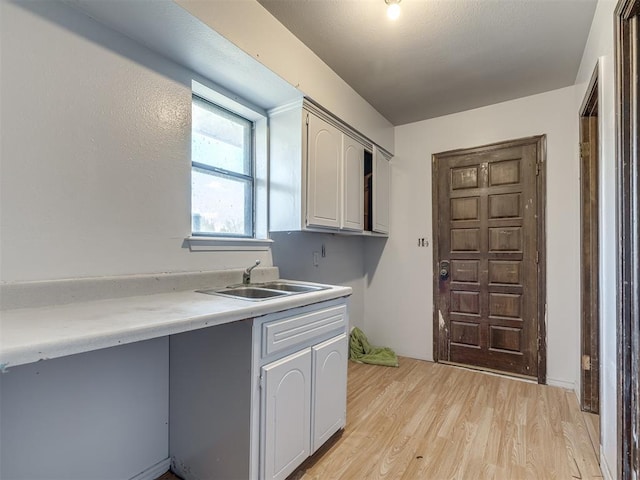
(32, 334)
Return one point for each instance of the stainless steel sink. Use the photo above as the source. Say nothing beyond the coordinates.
(291, 287)
(263, 291)
(247, 293)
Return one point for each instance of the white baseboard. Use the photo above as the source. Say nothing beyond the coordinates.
(604, 466)
(155, 471)
(561, 383)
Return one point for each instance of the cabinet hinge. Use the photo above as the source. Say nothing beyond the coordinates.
(260, 382)
(307, 119)
(584, 149)
(537, 168)
(537, 256)
(586, 362)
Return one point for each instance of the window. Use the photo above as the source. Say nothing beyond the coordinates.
(222, 172)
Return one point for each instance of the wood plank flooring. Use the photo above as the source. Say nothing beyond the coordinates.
(168, 476)
(592, 421)
(433, 421)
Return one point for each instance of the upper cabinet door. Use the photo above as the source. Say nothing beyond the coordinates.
(323, 174)
(353, 185)
(381, 197)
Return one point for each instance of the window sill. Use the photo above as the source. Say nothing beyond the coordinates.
(210, 244)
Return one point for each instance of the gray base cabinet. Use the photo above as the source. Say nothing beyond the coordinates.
(253, 399)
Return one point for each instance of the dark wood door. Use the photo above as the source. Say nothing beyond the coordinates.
(486, 228)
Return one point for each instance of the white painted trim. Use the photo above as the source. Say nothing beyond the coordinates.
(561, 383)
(246, 109)
(604, 466)
(209, 244)
(155, 471)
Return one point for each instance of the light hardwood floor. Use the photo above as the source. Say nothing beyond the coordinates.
(433, 421)
(428, 421)
(592, 421)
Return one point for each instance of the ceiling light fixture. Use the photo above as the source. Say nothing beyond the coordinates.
(393, 9)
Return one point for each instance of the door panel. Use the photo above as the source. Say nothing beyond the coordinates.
(324, 162)
(286, 411)
(353, 186)
(381, 192)
(330, 389)
(485, 228)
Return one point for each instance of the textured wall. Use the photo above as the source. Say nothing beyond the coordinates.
(95, 157)
(342, 265)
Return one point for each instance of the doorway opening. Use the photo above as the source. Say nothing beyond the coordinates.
(589, 251)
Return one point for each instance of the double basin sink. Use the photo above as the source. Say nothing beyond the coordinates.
(264, 291)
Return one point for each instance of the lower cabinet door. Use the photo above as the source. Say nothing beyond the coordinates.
(286, 414)
(329, 389)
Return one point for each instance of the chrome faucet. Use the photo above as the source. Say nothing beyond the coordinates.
(246, 275)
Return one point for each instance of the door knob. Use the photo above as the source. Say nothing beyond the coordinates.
(444, 270)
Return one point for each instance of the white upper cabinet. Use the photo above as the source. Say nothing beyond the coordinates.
(324, 164)
(323, 175)
(381, 194)
(352, 184)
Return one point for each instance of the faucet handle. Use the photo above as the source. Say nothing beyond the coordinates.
(253, 266)
(246, 275)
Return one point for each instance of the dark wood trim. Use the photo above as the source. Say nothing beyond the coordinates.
(542, 261)
(435, 226)
(590, 99)
(589, 249)
(628, 219)
(541, 144)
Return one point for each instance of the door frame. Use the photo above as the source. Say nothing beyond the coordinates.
(589, 249)
(628, 233)
(541, 143)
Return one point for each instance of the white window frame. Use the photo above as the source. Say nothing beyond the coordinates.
(247, 179)
(260, 240)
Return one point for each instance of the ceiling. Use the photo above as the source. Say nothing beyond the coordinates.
(443, 56)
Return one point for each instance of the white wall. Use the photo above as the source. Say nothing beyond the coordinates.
(252, 28)
(599, 51)
(399, 299)
(95, 153)
(342, 265)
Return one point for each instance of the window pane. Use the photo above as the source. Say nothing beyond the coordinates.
(220, 139)
(220, 205)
